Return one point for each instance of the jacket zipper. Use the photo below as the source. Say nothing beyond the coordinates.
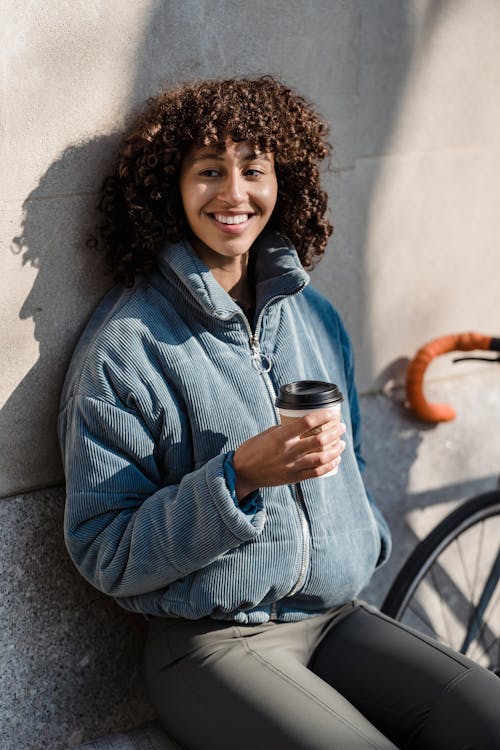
(263, 364)
(306, 539)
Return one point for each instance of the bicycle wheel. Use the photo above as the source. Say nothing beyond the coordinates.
(449, 586)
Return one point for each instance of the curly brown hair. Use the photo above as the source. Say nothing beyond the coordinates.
(141, 200)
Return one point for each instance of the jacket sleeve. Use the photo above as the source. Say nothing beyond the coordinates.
(348, 354)
(126, 533)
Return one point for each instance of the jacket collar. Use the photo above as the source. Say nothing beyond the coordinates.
(278, 272)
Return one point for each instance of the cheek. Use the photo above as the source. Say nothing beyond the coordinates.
(269, 196)
(193, 198)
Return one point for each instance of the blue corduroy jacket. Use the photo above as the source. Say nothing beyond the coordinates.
(167, 380)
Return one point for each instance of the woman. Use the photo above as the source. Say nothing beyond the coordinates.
(187, 501)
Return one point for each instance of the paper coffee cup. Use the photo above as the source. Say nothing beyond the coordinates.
(300, 398)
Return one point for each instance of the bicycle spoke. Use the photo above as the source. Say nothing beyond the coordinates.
(471, 615)
(479, 548)
(479, 617)
(481, 638)
(442, 605)
(472, 619)
(461, 557)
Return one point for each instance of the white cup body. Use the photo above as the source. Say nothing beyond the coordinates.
(286, 415)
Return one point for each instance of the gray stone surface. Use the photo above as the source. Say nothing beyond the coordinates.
(69, 657)
(417, 60)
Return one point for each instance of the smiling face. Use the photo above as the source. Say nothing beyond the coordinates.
(228, 197)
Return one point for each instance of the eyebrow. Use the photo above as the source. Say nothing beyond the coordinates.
(219, 156)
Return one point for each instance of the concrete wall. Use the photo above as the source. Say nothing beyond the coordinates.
(411, 88)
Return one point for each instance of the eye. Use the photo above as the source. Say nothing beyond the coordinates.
(210, 173)
(253, 172)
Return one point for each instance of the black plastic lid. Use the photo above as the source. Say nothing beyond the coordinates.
(304, 394)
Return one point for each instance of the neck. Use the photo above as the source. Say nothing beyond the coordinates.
(230, 273)
(243, 292)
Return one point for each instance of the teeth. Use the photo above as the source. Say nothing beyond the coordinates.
(239, 219)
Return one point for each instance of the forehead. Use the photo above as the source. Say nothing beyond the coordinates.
(239, 151)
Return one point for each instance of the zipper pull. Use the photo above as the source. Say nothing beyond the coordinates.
(260, 362)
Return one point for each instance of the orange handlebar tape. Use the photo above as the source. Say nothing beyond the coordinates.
(417, 367)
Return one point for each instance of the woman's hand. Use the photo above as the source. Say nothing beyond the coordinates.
(286, 454)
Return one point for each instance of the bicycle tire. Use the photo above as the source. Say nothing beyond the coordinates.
(402, 596)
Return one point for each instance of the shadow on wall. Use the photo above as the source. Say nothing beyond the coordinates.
(69, 280)
(72, 666)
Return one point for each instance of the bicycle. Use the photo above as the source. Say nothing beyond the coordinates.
(449, 585)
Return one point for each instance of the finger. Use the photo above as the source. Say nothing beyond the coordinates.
(311, 421)
(320, 458)
(321, 440)
(321, 428)
(315, 472)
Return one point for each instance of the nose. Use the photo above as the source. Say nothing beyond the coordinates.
(232, 189)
